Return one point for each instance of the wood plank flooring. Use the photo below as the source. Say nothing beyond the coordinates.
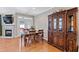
(12, 45)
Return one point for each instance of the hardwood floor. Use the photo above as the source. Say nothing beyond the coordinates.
(12, 45)
(9, 45)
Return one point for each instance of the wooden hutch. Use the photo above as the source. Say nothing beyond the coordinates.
(62, 30)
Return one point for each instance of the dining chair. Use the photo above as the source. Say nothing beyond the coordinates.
(40, 33)
(27, 37)
(32, 35)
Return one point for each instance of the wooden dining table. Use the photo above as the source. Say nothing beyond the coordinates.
(36, 34)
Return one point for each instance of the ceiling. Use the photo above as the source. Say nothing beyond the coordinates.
(24, 10)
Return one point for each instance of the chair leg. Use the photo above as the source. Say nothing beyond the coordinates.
(27, 43)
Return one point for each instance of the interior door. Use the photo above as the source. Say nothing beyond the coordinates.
(72, 30)
(61, 30)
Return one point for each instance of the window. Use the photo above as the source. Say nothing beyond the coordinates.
(60, 24)
(22, 24)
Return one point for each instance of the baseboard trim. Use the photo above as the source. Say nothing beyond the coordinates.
(45, 40)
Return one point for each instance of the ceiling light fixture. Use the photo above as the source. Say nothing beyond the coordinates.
(34, 8)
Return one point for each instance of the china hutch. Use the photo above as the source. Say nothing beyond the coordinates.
(62, 30)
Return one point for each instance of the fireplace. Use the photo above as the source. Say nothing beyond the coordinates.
(8, 32)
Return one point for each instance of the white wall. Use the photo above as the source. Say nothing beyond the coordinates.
(41, 21)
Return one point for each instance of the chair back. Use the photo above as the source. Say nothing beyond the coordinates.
(32, 32)
(40, 31)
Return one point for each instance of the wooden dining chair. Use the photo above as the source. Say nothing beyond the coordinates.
(27, 37)
(40, 33)
(32, 35)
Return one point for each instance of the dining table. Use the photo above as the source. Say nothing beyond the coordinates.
(28, 35)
